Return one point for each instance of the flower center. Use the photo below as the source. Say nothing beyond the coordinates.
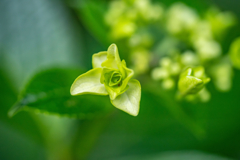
(116, 79)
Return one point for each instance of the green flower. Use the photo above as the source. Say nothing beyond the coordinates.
(192, 80)
(110, 76)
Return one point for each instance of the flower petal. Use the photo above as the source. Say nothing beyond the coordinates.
(113, 53)
(110, 63)
(115, 79)
(128, 74)
(98, 59)
(113, 91)
(129, 101)
(113, 59)
(89, 83)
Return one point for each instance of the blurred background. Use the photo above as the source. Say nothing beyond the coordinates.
(46, 44)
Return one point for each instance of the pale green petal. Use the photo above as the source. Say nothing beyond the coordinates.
(98, 59)
(113, 53)
(113, 91)
(110, 63)
(89, 83)
(115, 79)
(106, 75)
(122, 68)
(129, 101)
(106, 78)
(113, 59)
(128, 73)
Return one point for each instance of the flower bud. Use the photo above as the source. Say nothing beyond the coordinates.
(192, 80)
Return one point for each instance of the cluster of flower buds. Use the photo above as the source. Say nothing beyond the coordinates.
(124, 17)
(176, 44)
(128, 22)
(202, 37)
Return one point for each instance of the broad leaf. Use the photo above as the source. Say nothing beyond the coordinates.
(19, 135)
(48, 92)
(91, 15)
(39, 34)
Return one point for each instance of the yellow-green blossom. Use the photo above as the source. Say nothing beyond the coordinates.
(110, 76)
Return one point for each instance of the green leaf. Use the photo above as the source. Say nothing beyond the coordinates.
(48, 37)
(19, 135)
(91, 15)
(129, 101)
(48, 92)
(89, 83)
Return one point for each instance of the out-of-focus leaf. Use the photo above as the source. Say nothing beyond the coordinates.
(18, 135)
(91, 13)
(36, 34)
(23, 122)
(184, 155)
(49, 92)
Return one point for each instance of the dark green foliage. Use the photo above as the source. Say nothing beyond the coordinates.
(49, 92)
